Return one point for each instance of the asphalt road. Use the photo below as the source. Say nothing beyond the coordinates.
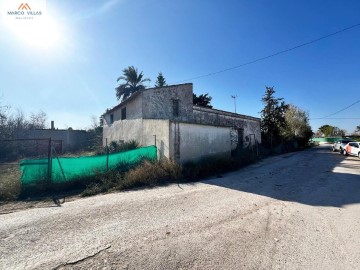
(295, 211)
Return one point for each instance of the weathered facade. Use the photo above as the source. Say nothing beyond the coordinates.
(167, 117)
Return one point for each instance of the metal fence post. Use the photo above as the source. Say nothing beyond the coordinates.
(107, 155)
(49, 162)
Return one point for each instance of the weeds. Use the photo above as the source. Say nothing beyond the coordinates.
(119, 146)
(103, 182)
(10, 186)
(142, 174)
(146, 174)
(152, 173)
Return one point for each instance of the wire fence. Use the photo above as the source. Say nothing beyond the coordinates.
(12, 151)
(41, 162)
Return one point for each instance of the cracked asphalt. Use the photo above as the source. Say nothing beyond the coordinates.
(295, 211)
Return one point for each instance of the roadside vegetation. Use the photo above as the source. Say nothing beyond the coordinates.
(10, 186)
(165, 171)
(284, 127)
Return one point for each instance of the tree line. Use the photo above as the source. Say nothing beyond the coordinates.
(334, 131)
(13, 121)
(282, 123)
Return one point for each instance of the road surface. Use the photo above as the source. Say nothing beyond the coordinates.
(295, 211)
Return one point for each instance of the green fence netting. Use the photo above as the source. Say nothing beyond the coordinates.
(326, 139)
(65, 169)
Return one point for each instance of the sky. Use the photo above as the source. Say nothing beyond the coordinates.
(67, 64)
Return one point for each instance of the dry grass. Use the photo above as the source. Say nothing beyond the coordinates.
(79, 154)
(144, 175)
(152, 173)
(10, 186)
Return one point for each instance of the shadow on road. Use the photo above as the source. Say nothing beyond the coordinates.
(315, 177)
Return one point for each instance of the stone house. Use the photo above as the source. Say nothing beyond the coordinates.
(183, 132)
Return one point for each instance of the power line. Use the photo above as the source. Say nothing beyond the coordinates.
(271, 55)
(347, 107)
(337, 118)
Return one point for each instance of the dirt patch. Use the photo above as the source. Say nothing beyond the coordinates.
(8, 207)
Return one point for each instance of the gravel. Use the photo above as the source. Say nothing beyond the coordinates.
(295, 211)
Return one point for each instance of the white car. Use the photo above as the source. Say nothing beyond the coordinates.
(352, 148)
(340, 144)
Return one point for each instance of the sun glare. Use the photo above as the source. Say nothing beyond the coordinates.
(43, 33)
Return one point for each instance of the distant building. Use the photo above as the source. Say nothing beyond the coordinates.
(62, 139)
(182, 132)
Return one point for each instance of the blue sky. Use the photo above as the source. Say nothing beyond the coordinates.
(74, 76)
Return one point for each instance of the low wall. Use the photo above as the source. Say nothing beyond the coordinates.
(71, 139)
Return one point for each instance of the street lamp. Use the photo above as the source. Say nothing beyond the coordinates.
(234, 97)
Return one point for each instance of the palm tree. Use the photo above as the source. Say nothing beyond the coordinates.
(133, 82)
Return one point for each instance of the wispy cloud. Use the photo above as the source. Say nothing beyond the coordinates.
(108, 5)
(97, 10)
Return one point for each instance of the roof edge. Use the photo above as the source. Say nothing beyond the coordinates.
(137, 93)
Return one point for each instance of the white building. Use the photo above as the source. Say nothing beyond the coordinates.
(167, 117)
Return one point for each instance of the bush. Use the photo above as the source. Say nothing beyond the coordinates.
(116, 147)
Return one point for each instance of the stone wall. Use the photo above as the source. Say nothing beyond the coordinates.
(155, 103)
(249, 125)
(158, 102)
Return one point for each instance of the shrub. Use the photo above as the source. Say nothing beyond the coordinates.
(117, 146)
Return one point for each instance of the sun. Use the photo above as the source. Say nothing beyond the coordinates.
(43, 33)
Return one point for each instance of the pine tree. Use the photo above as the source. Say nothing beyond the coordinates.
(272, 116)
(160, 81)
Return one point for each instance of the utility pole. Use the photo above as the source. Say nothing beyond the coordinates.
(234, 97)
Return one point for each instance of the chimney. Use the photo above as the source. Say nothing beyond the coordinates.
(52, 125)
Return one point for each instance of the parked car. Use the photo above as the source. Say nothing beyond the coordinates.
(352, 148)
(339, 145)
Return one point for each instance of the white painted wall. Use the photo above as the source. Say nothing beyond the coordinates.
(133, 110)
(160, 128)
(141, 130)
(197, 141)
(125, 130)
